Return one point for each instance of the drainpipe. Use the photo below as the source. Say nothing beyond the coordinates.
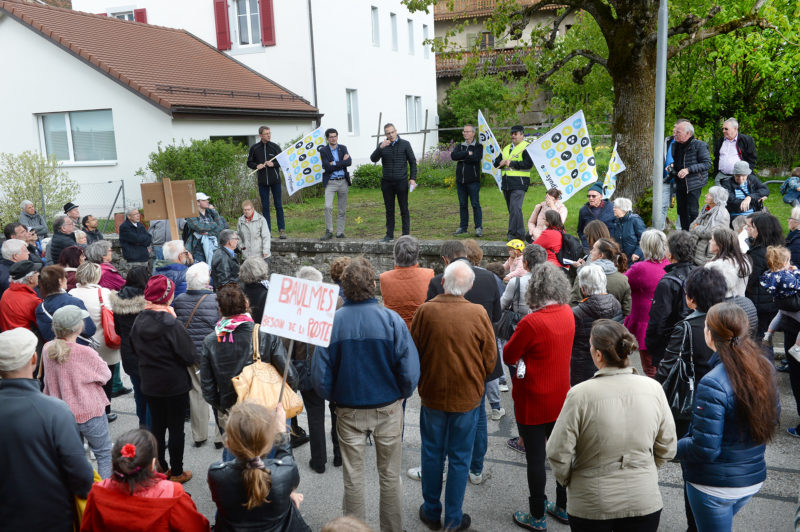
(313, 59)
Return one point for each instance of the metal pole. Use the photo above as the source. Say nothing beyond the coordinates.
(42, 210)
(658, 130)
(111, 211)
(424, 135)
(378, 136)
(124, 204)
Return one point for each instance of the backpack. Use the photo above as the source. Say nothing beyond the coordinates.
(571, 248)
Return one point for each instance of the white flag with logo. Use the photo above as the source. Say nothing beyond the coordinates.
(301, 163)
(491, 149)
(615, 166)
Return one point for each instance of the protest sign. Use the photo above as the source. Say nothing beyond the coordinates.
(615, 166)
(299, 309)
(301, 163)
(491, 149)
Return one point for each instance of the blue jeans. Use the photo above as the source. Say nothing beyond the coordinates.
(481, 440)
(263, 191)
(471, 191)
(451, 435)
(713, 513)
(791, 196)
(142, 411)
(95, 431)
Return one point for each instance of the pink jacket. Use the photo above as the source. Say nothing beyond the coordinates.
(514, 269)
(536, 222)
(643, 276)
(78, 381)
(110, 277)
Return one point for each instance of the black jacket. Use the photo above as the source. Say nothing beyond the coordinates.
(205, 317)
(257, 296)
(468, 168)
(329, 165)
(757, 191)
(396, 159)
(92, 236)
(697, 160)
(165, 350)
(127, 304)
(793, 243)
(224, 268)
(516, 182)
(58, 243)
(4, 275)
(225, 480)
(744, 145)
(134, 241)
(754, 291)
(261, 152)
(43, 460)
(668, 308)
(596, 307)
(222, 361)
(687, 340)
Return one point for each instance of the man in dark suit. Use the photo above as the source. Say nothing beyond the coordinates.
(335, 180)
(269, 178)
(134, 239)
(396, 157)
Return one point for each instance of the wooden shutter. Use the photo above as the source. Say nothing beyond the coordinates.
(267, 22)
(140, 15)
(223, 27)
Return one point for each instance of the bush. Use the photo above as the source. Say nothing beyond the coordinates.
(28, 176)
(436, 170)
(367, 176)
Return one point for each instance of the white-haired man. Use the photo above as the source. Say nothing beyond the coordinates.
(13, 251)
(134, 239)
(457, 351)
(691, 163)
(175, 264)
(30, 218)
(731, 148)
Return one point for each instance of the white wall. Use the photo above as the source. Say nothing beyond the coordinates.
(69, 84)
(344, 56)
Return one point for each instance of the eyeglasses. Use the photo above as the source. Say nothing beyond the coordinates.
(592, 196)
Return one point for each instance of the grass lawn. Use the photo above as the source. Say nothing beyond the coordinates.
(434, 213)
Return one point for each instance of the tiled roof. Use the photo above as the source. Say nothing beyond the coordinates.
(172, 68)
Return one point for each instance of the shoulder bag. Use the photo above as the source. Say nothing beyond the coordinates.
(260, 383)
(505, 326)
(112, 339)
(679, 386)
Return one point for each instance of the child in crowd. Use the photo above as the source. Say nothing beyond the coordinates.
(513, 266)
(136, 497)
(781, 280)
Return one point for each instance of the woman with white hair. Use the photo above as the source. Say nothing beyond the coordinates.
(714, 215)
(643, 277)
(100, 253)
(597, 304)
(628, 229)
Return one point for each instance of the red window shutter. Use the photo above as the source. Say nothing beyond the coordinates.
(223, 27)
(140, 15)
(267, 22)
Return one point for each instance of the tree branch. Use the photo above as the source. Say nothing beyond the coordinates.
(692, 23)
(579, 73)
(550, 42)
(721, 29)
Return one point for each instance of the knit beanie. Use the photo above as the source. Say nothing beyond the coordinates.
(159, 290)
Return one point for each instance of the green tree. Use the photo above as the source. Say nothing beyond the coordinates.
(29, 176)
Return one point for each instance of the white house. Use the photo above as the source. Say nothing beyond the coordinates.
(101, 93)
(355, 60)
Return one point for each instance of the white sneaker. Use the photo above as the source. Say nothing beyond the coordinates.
(415, 473)
(504, 387)
(475, 479)
(497, 414)
(795, 352)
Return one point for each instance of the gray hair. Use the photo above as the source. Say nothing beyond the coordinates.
(96, 251)
(309, 273)
(719, 195)
(131, 211)
(24, 280)
(794, 214)
(406, 251)
(458, 278)
(225, 236)
(58, 222)
(732, 121)
(172, 250)
(11, 247)
(687, 126)
(198, 275)
(79, 234)
(623, 204)
(532, 255)
(548, 285)
(654, 245)
(739, 222)
(88, 273)
(253, 270)
(592, 279)
(25, 203)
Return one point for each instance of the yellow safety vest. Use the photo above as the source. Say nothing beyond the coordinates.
(515, 154)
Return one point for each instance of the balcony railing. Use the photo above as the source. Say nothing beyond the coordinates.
(493, 61)
(468, 8)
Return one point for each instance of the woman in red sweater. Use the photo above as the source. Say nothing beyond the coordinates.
(542, 345)
(552, 236)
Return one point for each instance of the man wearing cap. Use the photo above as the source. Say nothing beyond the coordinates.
(396, 158)
(90, 224)
(516, 165)
(18, 303)
(30, 218)
(261, 158)
(134, 239)
(746, 193)
(71, 210)
(224, 268)
(203, 230)
(43, 461)
(595, 209)
(63, 237)
(730, 149)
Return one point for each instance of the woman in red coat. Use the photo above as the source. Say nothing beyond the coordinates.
(542, 345)
(551, 238)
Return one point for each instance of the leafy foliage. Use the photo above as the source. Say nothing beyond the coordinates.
(28, 176)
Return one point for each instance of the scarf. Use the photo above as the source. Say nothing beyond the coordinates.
(225, 326)
(159, 308)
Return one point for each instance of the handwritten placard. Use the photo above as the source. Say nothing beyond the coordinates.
(300, 309)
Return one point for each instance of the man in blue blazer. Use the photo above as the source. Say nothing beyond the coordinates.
(336, 181)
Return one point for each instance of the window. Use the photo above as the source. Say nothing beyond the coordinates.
(376, 27)
(425, 47)
(78, 136)
(352, 111)
(410, 37)
(393, 18)
(413, 113)
(123, 15)
(248, 22)
(486, 40)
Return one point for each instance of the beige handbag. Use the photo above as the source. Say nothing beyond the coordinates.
(260, 383)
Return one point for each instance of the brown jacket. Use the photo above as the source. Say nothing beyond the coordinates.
(457, 350)
(405, 289)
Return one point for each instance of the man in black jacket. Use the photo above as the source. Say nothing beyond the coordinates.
(134, 238)
(90, 224)
(731, 148)
(63, 237)
(396, 156)
(691, 164)
(269, 178)
(43, 458)
(468, 179)
(224, 268)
